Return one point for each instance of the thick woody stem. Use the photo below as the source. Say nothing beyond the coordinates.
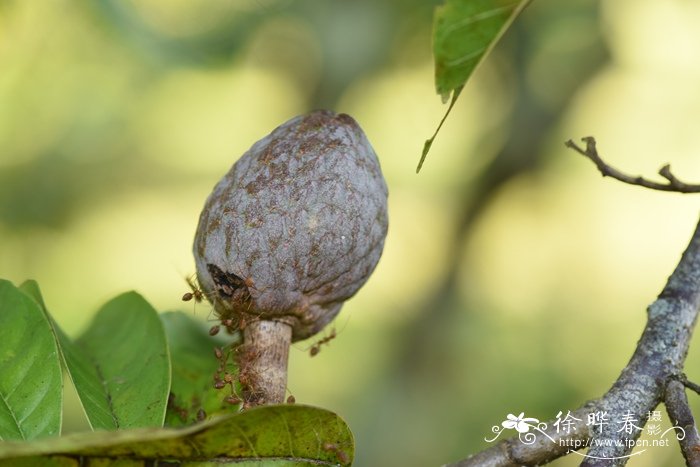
(263, 362)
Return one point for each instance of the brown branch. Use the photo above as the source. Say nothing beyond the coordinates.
(658, 358)
(681, 416)
(674, 184)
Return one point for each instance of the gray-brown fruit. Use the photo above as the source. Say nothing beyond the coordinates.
(295, 227)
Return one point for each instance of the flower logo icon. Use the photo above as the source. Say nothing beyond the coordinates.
(519, 423)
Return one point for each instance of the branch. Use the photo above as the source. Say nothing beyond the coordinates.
(679, 411)
(674, 184)
(514, 452)
(689, 384)
(658, 358)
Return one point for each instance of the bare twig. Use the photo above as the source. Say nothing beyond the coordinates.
(679, 411)
(674, 184)
(658, 358)
(689, 384)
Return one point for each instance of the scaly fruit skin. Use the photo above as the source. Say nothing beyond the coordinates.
(296, 226)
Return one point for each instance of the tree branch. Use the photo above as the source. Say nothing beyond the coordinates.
(674, 184)
(514, 452)
(689, 384)
(658, 358)
(679, 411)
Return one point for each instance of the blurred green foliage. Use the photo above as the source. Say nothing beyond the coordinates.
(514, 279)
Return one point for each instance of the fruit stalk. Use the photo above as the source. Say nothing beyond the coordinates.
(263, 362)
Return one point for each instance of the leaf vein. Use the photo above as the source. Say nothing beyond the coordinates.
(478, 17)
(12, 414)
(247, 440)
(466, 58)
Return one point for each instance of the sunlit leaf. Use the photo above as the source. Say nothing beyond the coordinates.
(274, 435)
(31, 383)
(193, 364)
(120, 366)
(464, 32)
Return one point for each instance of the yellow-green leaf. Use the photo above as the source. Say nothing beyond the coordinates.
(283, 435)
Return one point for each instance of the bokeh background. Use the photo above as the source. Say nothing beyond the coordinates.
(514, 279)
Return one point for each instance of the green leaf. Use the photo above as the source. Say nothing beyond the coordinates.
(31, 383)
(283, 435)
(31, 287)
(121, 365)
(82, 372)
(193, 365)
(86, 366)
(464, 32)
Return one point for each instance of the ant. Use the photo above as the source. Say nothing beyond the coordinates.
(248, 377)
(291, 399)
(244, 321)
(233, 399)
(241, 321)
(197, 293)
(316, 348)
(222, 376)
(243, 377)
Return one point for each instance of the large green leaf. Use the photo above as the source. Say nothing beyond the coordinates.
(290, 435)
(193, 364)
(31, 383)
(121, 366)
(464, 32)
(91, 371)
